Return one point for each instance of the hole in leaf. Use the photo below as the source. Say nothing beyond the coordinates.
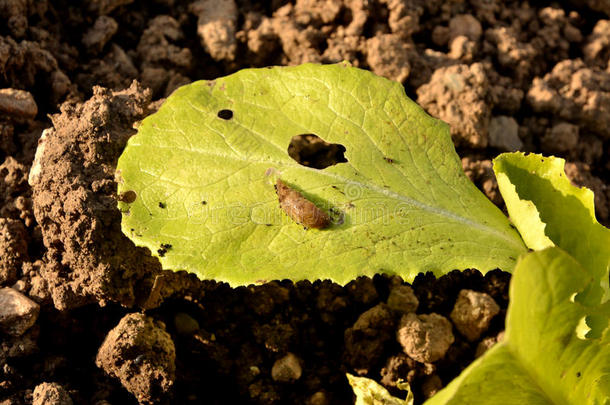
(225, 114)
(312, 151)
(582, 329)
(591, 327)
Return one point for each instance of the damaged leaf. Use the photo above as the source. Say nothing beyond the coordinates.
(398, 201)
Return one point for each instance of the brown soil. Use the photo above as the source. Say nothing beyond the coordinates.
(504, 74)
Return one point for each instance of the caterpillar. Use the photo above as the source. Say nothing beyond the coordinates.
(299, 208)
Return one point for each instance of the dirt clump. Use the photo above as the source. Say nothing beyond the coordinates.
(141, 354)
(287, 368)
(216, 26)
(562, 138)
(97, 36)
(13, 249)
(15, 193)
(459, 95)
(597, 49)
(73, 184)
(388, 56)
(576, 93)
(402, 299)
(17, 104)
(164, 63)
(425, 338)
(51, 394)
(473, 312)
(366, 339)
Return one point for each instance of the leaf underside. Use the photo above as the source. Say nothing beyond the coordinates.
(401, 204)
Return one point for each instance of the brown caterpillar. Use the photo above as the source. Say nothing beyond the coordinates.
(299, 208)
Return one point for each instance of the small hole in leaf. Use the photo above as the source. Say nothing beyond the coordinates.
(128, 196)
(225, 114)
(312, 151)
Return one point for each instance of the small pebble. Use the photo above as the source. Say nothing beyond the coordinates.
(18, 103)
(286, 369)
(20, 286)
(17, 312)
(504, 134)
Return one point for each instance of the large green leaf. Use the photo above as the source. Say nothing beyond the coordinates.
(548, 210)
(543, 358)
(205, 204)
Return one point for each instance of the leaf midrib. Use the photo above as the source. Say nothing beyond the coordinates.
(370, 186)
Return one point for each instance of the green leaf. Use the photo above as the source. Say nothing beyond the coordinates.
(542, 359)
(401, 204)
(369, 392)
(548, 210)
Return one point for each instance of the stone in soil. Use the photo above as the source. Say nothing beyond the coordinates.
(504, 134)
(17, 312)
(17, 104)
(141, 354)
